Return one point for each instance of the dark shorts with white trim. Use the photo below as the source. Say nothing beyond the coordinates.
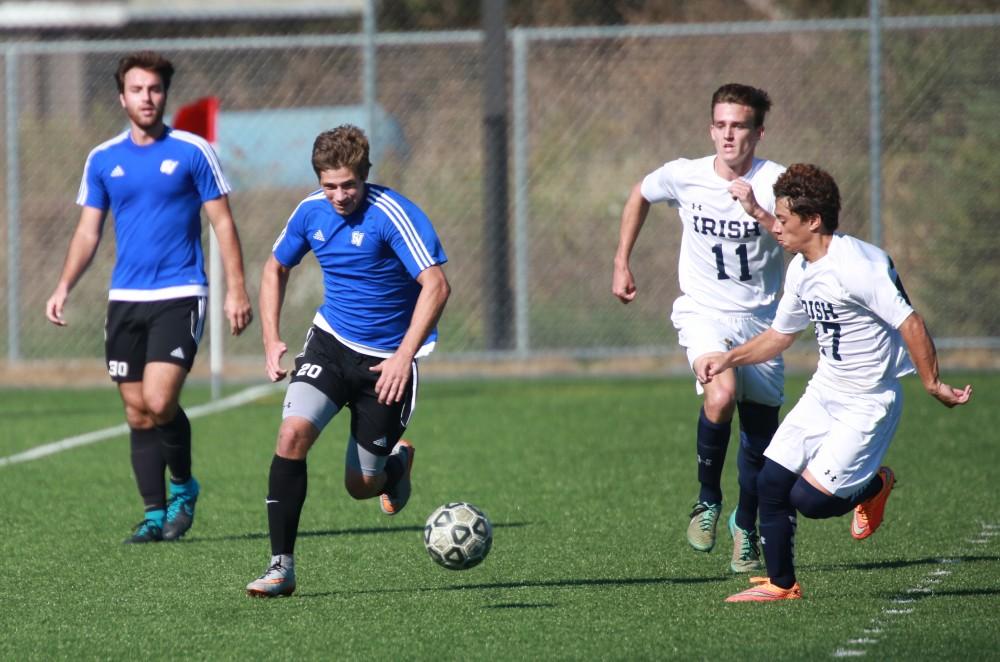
(141, 332)
(345, 377)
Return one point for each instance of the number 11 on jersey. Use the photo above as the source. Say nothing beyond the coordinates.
(720, 263)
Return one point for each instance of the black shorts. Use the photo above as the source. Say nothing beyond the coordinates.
(141, 332)
(344, 376)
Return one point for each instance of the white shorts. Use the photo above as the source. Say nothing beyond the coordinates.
(700, 331)
(840, 437)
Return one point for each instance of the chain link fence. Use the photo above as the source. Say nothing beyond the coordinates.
(592, 110)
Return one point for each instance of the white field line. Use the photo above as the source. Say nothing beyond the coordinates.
(222, 404)
(923, 590)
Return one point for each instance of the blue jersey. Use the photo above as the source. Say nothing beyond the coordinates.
(155, 193)
(370, 261)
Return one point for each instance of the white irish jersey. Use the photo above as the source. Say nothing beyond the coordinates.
(728, 261)
(857, 302)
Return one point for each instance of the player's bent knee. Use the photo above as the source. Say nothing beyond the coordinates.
(814, 504)
(294, 442)
(161, 410)
(361, 486)
(774, 482)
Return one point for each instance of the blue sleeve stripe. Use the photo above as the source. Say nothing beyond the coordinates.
(210, 156)
(402, 221)
(81, 195)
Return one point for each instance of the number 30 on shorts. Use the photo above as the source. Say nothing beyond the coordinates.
(118, 368)
(310, 370)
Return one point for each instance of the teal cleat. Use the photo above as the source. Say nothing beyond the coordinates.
(701, 530)
(746, 552)
(147, 530)
(180, 509)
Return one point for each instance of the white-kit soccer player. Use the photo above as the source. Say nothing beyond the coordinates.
(384, 290)
(730, 274)
(826, 457)
(155, 180)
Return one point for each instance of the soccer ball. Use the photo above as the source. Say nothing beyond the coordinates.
(458, 536)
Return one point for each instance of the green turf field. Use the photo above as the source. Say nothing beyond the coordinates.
(588, 483)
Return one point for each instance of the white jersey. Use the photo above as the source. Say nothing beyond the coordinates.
(857, 302)
(728, 262)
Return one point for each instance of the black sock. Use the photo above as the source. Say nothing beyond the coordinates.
(713, 440)
(777, 522)
(871, 489)
(757, 425)
(394, 469)
(148, 466)
(285, 496)
(175, 439)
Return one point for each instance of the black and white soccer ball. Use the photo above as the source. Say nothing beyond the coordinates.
(458, 536)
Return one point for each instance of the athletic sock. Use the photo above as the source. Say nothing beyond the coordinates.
(713, 440)
(394, 468)
(286, 494)
(175, 438)
(871, 489)
(758, 424)
(148, 467)
(777, 522)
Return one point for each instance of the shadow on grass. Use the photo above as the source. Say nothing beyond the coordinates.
(550, 583)
(903, 563)
(323, 533)
(522, 605)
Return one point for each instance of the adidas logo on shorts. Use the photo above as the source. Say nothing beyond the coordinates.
(177, 353)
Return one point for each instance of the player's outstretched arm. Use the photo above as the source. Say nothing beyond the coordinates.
(762, 347)
(82, 248)
(924, 356)
(273, 282)
(633, 216)
(237, 305)
(394, 372)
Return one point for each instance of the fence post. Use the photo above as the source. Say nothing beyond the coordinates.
(875, 118)
(13, 208)
(522, 254)
(496, 273)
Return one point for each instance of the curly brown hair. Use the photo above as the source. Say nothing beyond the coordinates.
(810, 190)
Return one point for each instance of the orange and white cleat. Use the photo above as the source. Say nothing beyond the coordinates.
(764, 591)
(868, 515)
(277, 581)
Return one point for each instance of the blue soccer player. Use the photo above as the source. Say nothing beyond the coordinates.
(155, 180)
(384, 290)
(826, 457)
(730, 275)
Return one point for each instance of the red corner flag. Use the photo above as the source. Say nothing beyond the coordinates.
(198, 117)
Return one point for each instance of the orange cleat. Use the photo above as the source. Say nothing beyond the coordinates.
(868, 515)
(764, 591)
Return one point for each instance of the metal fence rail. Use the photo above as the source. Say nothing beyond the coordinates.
(898, 108)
